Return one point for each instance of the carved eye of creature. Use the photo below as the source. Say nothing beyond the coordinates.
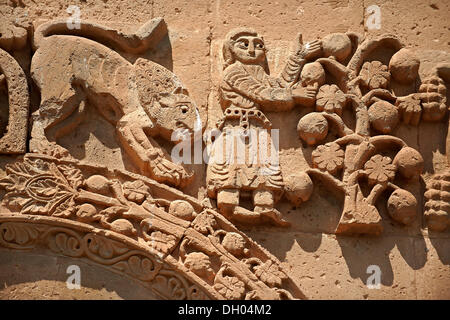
(184, 108)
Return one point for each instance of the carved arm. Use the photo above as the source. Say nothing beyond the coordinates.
(271, 98)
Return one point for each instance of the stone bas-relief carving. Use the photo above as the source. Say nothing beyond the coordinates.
(361, 163)
(140, 224)
(142, 100)
(137, 226)
(245, 90)
(437, 208)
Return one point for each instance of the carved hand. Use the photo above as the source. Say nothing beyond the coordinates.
(310, 50)
(305, 95)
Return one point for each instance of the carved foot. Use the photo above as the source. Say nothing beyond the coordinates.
(273, 214)
(245, 216)
(166, 171)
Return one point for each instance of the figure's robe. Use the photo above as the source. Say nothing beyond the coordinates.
(246, 91)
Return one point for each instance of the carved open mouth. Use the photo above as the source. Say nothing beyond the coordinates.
(182, 132)
(181, 125)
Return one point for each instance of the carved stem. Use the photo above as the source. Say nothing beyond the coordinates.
(342, 129)
(332, 181)
(146, 37)
(385, 140)
(361, 114)
(375, 193)
(378, 190)
(368, 46)
(338, 70)
(378, 93)
(355, 158)
(87, 196)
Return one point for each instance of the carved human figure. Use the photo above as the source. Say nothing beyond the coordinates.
(246, 90)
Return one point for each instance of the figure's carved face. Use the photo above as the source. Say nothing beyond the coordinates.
(249, 50)
(176, 111)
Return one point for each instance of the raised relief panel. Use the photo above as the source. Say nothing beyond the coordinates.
(137, 226)
(141, 100)
(437, 195)
(127, 222)
(360, 159)
(246, 91)
(342, 103)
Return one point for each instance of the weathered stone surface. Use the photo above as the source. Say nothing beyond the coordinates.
(112, 134)
(34, 276)
(336, 267)
(432, 279)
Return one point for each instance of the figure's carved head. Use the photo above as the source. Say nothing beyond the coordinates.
(244, 45)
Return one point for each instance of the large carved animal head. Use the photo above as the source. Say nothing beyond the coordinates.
(175, 112)
(166, 102)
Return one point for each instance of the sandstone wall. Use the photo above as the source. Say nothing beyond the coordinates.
(414, 262)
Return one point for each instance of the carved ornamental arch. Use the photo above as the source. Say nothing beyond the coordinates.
(140, 224)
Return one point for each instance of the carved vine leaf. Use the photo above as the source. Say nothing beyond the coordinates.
(170, 286)
(73, 176)
(15, 200)
(66, 242)
(139, 267)
(42, 188)
(410, 109)
(375, 75)
(66, 208)
(330, 99)
(104, 248)
(328, 157)
(270, 273)
(380, 169)
(230, 287)
(15, 182)
(161, 241)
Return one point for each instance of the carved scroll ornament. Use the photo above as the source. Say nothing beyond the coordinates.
(137, 226)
